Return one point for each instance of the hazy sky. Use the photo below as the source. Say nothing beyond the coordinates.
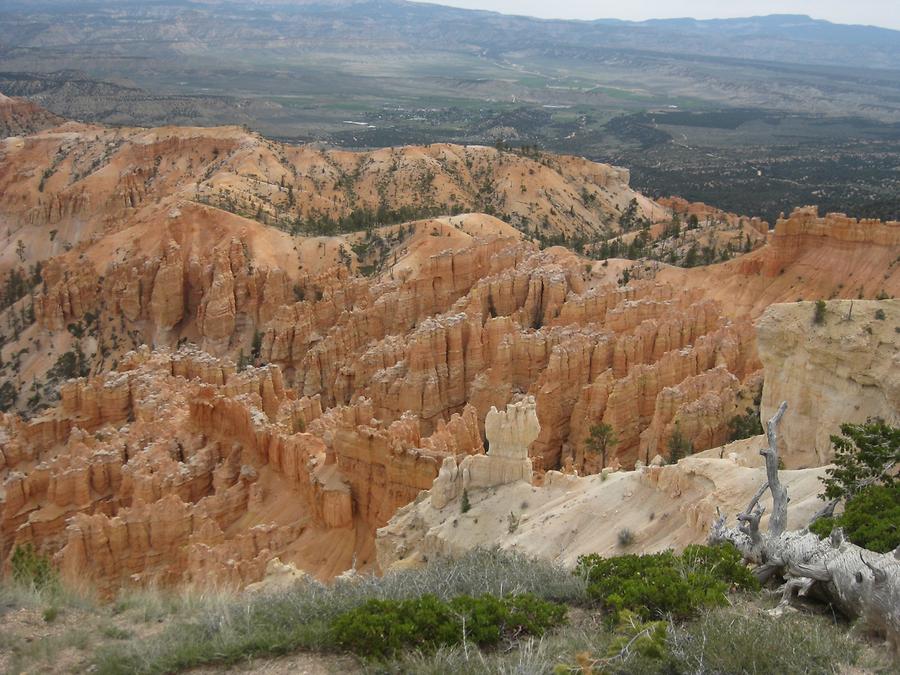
(873, 12)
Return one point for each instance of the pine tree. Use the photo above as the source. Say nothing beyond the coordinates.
(600, 440)
(679, 446)
(464, 505)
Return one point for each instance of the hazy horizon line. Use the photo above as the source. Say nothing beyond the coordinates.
(523, 14)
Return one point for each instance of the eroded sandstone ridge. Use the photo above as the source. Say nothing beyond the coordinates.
(19, 117)
(808, 257)
(842, 369)
(221, 349)
(177, 468)
(369, 389)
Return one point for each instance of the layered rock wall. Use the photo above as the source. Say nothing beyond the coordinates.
(792, 236)
(851, 356)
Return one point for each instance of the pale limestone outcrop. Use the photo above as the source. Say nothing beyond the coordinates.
(844, 369)
(509, 435)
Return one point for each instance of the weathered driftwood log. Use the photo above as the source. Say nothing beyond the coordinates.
(860, 583)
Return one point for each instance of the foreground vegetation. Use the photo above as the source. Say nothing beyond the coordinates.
(864, 479)
(489, 612)
(699, 611)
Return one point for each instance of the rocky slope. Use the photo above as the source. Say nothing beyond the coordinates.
(568, 516)
(136, 228)
(313, 385)
(56, 179)
(401, 374)
(241, 470)
(842, 370)
(20, 117)
(808, 257)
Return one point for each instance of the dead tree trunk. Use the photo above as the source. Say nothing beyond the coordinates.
(860, 583)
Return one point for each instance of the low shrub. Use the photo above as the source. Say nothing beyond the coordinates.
(381, 628)
(625, 537)
(871, 518)
(863, 454)
(679, 446)
(745, 426)
(645, 638)
(233, 630)
(819, 312)
(31, 568)
(746, 640)
(738, 640)
(659, 584)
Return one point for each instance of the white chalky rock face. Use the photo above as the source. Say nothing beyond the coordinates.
(509, 434)
(845, 369)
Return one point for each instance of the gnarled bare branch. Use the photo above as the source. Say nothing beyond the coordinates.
(837, 568)
(825, 512)
(778, 520)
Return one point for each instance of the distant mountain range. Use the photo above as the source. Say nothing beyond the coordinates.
(755, 114)
(35, 24)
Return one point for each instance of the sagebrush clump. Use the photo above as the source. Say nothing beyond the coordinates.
(819, 312)
(303, 616)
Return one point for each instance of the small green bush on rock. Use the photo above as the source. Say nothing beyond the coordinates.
(381, 628)
(645, 638)
(50, 614)
(653, 586)
(745, 426)
(819, 312)
(464, 504)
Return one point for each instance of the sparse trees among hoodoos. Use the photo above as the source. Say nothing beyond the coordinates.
(679, 446)
(601, 439)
